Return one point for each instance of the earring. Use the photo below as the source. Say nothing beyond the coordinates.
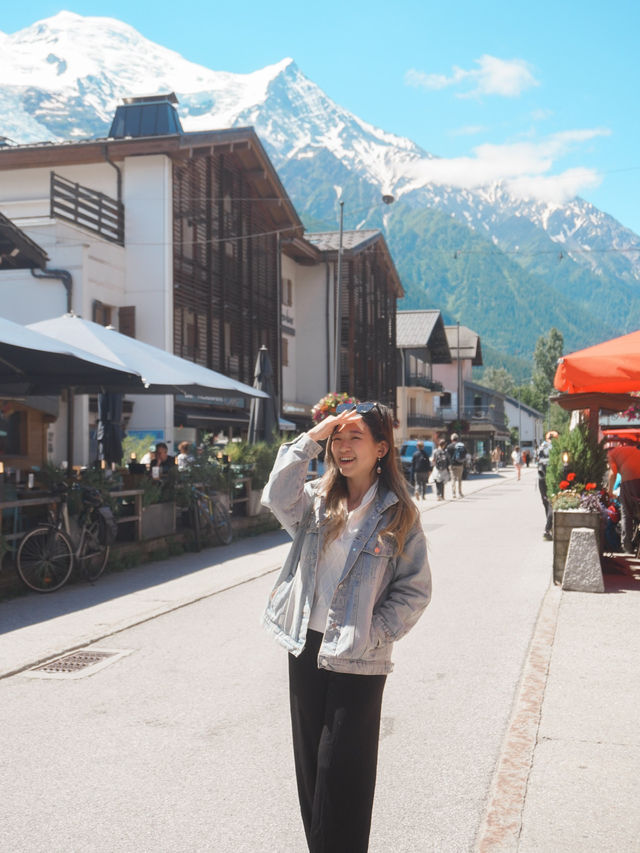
(379, 469)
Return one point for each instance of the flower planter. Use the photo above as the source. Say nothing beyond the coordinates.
(564, 520)
(254, 507)
(158, 520)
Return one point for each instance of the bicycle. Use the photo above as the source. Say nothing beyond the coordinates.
(210, 517)
(48, 553)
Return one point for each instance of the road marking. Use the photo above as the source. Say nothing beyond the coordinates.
(502, 823)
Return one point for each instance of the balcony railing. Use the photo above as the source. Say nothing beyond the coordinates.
(473, 413)
(424, 421)
(88, 208)
(416, 381)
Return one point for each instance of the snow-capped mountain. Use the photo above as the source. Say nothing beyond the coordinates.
(63, 77)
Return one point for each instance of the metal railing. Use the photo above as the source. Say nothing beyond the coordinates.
(88, 208)
(424, 421)
(417, 381)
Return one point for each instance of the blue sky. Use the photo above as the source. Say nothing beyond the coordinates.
(546, 90)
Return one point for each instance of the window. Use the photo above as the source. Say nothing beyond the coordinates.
(13, 433)
(101, 313)
(287, 292)
(127, 320)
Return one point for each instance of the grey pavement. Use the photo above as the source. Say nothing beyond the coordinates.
(510, 722)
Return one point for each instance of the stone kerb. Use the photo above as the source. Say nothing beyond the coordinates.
(564, 521)
(582, 571)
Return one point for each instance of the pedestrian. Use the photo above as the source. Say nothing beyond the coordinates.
(440, 463)
(184, 458)
(356, 579)
(543, 461)
(457, 453)
(516, 458)
(625, 460)
(420, 470)
(495, 457)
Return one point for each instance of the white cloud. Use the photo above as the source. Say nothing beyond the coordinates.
(505, 77)
(524, 167)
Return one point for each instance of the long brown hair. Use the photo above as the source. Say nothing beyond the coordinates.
(333, 484)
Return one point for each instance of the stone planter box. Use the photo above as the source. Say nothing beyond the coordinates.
(158, 520)
(254, 507)
(564, 521)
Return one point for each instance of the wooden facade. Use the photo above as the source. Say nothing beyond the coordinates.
(369, 291)
(226, 266)
(368, 337)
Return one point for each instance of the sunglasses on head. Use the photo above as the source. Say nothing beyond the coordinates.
(359, 408)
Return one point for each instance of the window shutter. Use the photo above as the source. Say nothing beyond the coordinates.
(127, 320)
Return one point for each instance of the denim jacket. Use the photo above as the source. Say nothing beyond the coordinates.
(380, 594)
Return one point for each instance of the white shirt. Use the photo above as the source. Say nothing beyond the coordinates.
(332, 561)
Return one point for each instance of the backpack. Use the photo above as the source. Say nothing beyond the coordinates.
(459, 453)
(441, 460)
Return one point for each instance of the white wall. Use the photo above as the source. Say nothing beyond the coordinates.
(311, 343)
(139, 274)
(531, 426)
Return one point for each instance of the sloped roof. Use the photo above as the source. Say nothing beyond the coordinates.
(17, 250)
(424, 328)
(354, 242)
(329, 241)
(243, 142)
(469, 344)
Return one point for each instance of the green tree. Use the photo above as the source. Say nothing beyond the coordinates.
(499, 379)
(545, 359)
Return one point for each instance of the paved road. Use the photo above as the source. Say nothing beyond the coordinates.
(183, 745)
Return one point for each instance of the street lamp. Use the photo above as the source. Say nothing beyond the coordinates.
(386, 199)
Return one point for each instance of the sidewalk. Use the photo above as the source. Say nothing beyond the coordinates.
(570, 762)
(568, 773)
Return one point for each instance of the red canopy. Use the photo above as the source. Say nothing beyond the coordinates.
(612, 366)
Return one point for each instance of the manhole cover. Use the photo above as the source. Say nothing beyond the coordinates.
(77, 664)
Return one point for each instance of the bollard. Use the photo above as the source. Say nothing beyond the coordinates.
(582, 569)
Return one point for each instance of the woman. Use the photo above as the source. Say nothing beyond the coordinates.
(516, 458)
(440, 462)
(356, 579)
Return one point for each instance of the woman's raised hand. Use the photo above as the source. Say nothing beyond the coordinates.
(324, 429)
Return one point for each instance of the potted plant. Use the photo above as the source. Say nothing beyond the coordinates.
(575, 474)
(158, 507)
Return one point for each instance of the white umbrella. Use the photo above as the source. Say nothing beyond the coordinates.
(161, 372)
(33, 363)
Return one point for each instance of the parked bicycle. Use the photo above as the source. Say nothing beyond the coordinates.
(210, 518)
(47, 555)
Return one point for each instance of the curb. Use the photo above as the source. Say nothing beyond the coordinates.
(502, 823)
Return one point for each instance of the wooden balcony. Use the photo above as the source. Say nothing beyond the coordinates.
(88, 208)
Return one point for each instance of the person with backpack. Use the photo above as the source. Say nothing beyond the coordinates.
(457, 454)
(420, 470)
(440, 462)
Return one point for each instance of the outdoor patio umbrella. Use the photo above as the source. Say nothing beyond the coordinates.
(263, 417)
(109, 430)
(613, 367)
(162, 372)
(33, 363)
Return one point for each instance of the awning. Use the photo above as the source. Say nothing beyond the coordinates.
(612, 366)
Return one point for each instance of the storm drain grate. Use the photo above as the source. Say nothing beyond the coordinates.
(77, 664)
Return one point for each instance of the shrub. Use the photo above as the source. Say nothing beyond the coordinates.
(587, 459)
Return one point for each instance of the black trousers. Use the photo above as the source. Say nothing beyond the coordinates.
(335, 719)
(546, 503)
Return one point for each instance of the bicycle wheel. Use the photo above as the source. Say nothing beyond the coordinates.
(204, 521)
(95, 553)
(221, 524)
(45, 559)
